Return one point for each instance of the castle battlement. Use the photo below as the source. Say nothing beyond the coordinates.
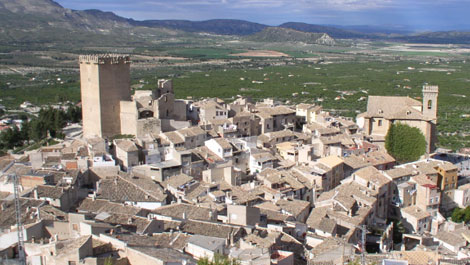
(432, 89)
(105, 59)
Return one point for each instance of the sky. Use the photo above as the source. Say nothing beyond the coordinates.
(415, 15)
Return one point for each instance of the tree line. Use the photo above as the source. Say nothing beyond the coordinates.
(49, 123)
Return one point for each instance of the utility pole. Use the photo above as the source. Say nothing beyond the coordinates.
(19, 225)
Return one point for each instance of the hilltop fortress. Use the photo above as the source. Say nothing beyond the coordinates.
(108, 107)
(257, 181)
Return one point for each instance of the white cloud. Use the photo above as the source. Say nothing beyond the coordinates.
(275, 12)
(346, 5)
(342, 5)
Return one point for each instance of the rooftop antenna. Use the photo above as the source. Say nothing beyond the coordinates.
(19, 225)
(363, 243)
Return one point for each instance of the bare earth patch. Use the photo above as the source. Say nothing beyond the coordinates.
(261, 53)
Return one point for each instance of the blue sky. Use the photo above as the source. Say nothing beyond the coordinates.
(415, 14)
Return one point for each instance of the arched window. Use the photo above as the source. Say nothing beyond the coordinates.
(429, 104)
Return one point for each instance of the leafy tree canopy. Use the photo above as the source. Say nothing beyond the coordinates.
(461, 215)
(48, 123)
(405, 143)
(218, 260)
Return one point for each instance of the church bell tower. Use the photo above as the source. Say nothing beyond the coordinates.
(430, 94)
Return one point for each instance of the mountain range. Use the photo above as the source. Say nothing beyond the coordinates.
(45, 21)
(279, 34)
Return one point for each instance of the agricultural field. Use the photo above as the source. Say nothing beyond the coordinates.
(343, 88)
(337, 77)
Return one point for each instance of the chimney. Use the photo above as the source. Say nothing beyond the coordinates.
(184, 215)
(232, 238)
(35, 192)
(38, 213)
(3, 206)
(98, 184)
(130, 220)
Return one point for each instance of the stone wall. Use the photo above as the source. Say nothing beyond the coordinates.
(105, 81)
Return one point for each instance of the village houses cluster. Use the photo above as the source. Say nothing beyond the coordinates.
(159, 180)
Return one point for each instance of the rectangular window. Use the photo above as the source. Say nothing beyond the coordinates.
(380, 122)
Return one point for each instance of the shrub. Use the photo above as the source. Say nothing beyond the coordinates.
(405, 143)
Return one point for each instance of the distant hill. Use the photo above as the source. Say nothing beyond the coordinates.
(46, 13)
(378, 30)
(277, 34)
(215, 26)
(443, 37)
(333, 32)
(44, 23)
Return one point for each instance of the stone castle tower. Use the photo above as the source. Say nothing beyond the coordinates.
(105, 81)
(430, 94)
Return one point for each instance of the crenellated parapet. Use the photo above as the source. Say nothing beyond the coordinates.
(432, 89)
(104, 59)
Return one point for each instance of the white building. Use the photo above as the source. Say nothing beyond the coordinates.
(205, 246)
(221, 147)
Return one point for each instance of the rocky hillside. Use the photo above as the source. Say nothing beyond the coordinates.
(277, 34)
(332, 31)
(214, 26)
(45, 21)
